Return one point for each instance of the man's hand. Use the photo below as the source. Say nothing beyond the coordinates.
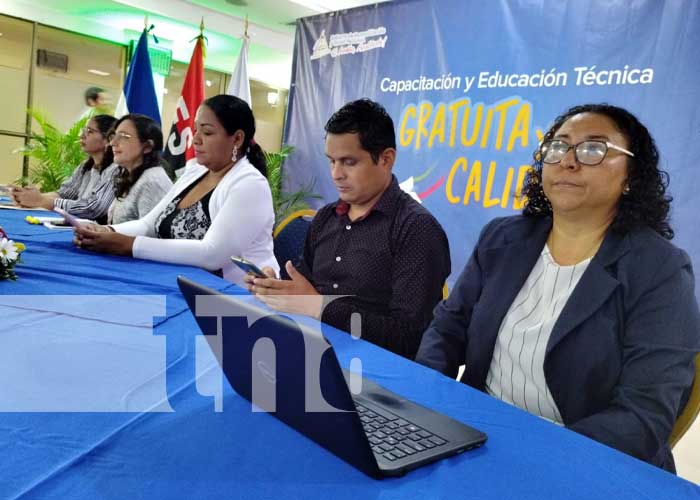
(296, 296)
(102, 239)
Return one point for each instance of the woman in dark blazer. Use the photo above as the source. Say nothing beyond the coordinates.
(580, 310)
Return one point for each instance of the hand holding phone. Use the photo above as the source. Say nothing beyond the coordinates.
(249, 267)
(70, 219)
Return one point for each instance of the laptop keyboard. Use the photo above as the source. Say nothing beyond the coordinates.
(392, 437)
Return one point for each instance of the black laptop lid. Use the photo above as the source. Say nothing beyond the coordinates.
(265, 362)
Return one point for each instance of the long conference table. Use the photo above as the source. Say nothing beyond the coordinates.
(108, 390)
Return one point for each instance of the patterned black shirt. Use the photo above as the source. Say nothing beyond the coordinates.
(392, 263)
(190, 223)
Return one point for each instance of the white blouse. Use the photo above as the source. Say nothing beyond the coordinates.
(242, 219)
(516, 374)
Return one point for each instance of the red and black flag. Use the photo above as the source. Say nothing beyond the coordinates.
(178, 147)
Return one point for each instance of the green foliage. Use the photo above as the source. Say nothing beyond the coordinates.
(7, 270)
(285, 203)
(54, 155)
(7, 266)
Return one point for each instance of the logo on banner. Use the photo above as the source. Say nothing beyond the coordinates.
(355, 42)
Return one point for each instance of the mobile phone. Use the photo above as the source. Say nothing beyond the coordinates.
(248, 267)
(70, 219)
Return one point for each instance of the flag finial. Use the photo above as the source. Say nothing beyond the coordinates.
(201, 26)
(145, 22)
(245, 26)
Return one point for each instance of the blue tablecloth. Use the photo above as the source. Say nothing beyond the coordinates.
(14, 223)
(146, 430)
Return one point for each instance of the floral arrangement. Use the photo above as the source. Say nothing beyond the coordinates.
(9, 256)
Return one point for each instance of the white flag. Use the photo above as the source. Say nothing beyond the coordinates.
(239, 85)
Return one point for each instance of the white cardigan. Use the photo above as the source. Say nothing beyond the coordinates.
(242, 219)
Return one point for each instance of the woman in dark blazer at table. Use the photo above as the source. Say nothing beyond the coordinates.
(580, 310)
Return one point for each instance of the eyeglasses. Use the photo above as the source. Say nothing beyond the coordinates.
(586, 153)
(89, 130)
(118, 137)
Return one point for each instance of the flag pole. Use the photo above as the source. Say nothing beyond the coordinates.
(202, 38)
(239, 84)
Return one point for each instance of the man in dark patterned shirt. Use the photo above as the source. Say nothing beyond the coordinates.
(376, 246)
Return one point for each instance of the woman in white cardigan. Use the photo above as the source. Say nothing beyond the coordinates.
(220, 207)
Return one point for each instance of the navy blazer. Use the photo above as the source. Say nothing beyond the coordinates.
(619, 362)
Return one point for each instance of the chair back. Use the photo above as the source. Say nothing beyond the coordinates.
(691, 410)
(289, 236)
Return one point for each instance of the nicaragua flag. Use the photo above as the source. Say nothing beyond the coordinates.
(139, 94)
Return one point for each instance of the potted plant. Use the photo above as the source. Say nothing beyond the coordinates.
(285, 203)
(54, 155)
(9, 256)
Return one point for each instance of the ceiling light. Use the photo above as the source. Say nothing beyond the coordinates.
(208, 82)
(311, 4)
(273, 98)
(332, 5)
(165, 91)
(98, 72)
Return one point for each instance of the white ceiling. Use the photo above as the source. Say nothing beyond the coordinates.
(271, 26)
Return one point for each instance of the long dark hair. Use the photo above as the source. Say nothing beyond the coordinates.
(235, 114)
(146, 130)
(104, 125)
(646, 204)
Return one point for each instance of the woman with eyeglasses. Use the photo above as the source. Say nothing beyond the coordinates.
(89, 191)
(141, 181)
(221, 206)
(580, 310)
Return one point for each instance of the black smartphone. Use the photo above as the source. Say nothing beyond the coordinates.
(248, 267)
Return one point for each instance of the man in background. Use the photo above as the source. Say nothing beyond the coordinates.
(97, 102)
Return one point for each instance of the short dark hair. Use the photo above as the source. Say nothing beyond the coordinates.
(234, 114)
(370, 121)
(147, 129)
(646, 204)
(92, 93)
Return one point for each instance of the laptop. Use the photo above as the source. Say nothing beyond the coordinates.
(373, 429)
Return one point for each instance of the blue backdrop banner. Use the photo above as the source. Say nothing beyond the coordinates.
(473, 85)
